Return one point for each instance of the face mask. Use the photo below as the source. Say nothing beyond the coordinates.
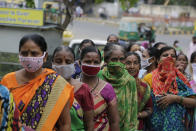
(66, 71)
(31, 64)
(90, 70)
(194, 71)
(116, 68)
(139, 53)
(145, 63)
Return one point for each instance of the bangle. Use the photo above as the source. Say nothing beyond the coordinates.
(181, 99)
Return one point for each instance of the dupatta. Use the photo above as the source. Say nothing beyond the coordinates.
(126, 91)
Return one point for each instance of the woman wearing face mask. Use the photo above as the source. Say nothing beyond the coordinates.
(83, 44)
(82, 111)
(124, 85)
(181, 65)
(171, 94)
(193, 69)
(144, 100)
(149, 63)
(105, 106)
(42, 97)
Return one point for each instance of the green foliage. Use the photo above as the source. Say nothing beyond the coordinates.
(177, 2)
(30, 4)
(9, 63)
(125, 4)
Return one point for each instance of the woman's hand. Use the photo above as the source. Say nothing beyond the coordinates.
(166, 100)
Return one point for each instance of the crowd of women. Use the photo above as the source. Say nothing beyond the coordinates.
(119, 88)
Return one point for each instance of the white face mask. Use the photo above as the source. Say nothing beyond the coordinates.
(194, 71)
(145, 63)
(66, 71)
(139, 53)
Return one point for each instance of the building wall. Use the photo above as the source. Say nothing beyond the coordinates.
(169, 11)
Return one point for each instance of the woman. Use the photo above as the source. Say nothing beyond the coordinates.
(124, 85)
(144, 100)
(159, 45)
(149, 61)
(105, 105)
(82, 111)
(181, 65)
(193, 70)
(42, 96)
(171, 94)
(9, 117)
(83, 44)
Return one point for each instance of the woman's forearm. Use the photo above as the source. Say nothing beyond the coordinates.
(186, 101)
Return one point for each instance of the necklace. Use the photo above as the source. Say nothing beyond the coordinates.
(95, 86)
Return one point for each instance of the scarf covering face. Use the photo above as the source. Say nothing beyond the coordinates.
(164, 78)
(125, 88)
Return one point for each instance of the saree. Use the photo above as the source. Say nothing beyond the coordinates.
(76, 113)
(167, 79)
(125, 88)
(144, 100)
(103, 97)
(9, 117)
(41, 100)
(83, 101)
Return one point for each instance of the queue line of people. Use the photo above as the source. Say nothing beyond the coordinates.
(118, 89)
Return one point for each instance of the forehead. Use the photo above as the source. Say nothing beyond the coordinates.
(30, 45)
(117, 52)
(171, 51)
(112, 37)
(132, 58)
(181, 57)
(91, 55)
(64, 53)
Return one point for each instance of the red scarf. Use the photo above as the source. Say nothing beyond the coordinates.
(164, 78)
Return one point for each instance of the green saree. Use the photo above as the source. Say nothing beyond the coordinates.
(126, 91)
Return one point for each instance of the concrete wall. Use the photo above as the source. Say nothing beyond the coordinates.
(159, 10)
(10, 37)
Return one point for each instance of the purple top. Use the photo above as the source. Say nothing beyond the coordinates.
(108, 93)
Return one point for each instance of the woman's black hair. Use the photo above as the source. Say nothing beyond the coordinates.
(109, 48)
(182, 55)
(62, 47)
(158, 44)
(129, 46)
(135, 54)
(153, 52)
(89, 49)
(162, 50)
(193, 55)
(37, 39)
(111, 36)
(86, 41)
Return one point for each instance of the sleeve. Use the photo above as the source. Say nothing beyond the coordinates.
(84, 97)
(108, 93)
(149, 103)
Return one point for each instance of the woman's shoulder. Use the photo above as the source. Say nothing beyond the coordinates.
(143, 83)
(8, 78)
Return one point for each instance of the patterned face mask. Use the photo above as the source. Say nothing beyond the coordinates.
(32, 64)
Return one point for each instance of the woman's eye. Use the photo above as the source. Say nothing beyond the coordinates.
(58, 61)
(25, 53)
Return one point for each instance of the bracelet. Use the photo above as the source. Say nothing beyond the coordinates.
(181, 99)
